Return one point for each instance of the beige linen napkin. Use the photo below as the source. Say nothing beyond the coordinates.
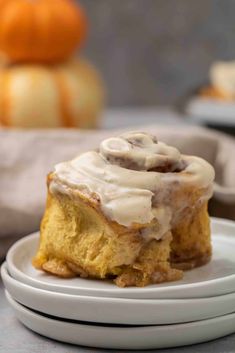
(26, 157)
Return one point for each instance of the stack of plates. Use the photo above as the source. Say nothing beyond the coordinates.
(199, 308)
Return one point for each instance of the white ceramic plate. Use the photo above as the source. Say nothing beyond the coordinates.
(118, 310)
(148, 337)
(208, 110)
(215, 278)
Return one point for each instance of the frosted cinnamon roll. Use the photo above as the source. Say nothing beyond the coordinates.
(134, 211)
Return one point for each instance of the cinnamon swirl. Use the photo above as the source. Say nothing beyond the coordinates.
(134, 211)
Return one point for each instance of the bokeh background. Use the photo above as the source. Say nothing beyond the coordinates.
(152, 52)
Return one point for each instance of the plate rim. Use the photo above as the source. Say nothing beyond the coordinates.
(21, 276)
(131, 327)
(118, 310)
(111, 299)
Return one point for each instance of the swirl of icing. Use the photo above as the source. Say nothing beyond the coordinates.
(140, 151)
(134, 176)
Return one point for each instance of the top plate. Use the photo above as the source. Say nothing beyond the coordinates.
(215, 278)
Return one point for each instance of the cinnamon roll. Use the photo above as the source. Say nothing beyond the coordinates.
(134, 211)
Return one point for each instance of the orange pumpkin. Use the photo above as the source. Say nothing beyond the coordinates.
(40, 30)
(64, 95)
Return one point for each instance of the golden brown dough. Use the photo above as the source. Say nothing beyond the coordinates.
(76, 239)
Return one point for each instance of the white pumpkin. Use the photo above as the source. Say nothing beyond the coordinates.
(39, 96)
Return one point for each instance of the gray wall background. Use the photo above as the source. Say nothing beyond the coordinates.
(154, 51)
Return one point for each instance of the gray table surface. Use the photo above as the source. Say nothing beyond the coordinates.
(15, 338)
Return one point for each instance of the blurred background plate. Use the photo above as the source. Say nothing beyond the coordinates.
(219, 115)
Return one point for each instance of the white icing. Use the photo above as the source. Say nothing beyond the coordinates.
(124, 174)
